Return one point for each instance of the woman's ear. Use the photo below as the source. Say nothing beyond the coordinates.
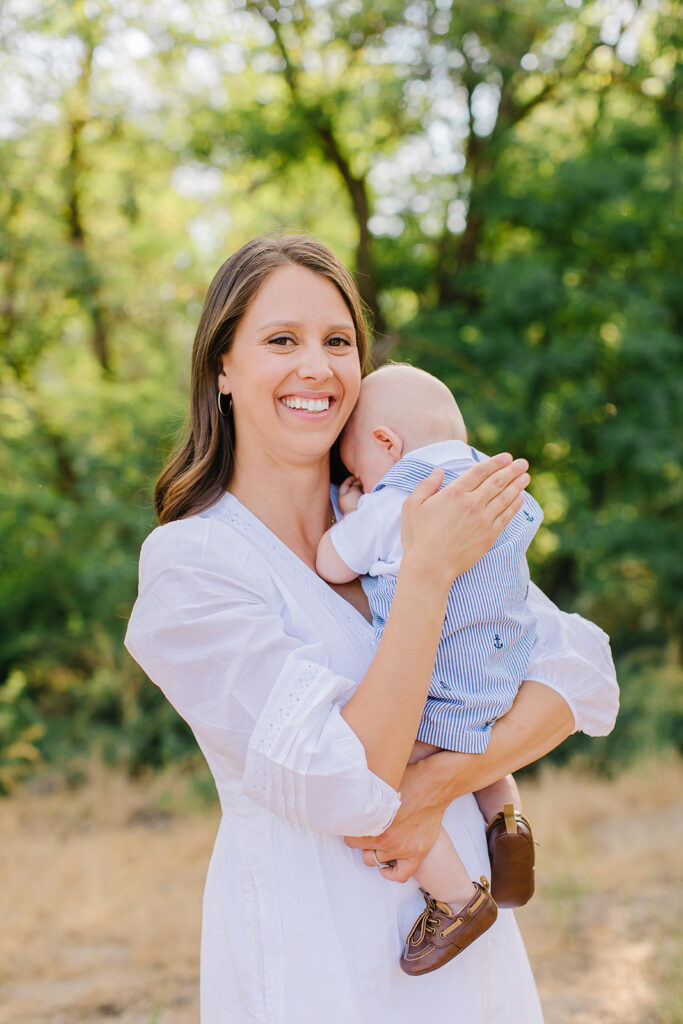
(389, 441)
(223, 385)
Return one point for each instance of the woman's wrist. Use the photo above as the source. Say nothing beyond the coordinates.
(433, 781)
(426, 581)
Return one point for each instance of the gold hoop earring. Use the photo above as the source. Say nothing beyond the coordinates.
(221, 405)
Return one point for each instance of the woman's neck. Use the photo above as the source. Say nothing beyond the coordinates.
(292, 501)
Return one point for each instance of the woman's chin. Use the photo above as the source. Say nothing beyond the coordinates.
(311, 453)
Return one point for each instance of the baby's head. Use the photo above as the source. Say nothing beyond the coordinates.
(400, 408)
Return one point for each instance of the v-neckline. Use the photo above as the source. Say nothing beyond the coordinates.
(353, 617)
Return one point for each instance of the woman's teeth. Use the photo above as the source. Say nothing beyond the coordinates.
(309, 404)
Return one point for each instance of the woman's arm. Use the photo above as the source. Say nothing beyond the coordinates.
(537, 722)
(466, 516)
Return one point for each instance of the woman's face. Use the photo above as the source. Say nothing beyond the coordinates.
(293, 369)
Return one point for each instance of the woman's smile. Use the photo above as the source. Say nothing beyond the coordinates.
(308, 405)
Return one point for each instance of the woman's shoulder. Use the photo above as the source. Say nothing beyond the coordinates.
(203, 541)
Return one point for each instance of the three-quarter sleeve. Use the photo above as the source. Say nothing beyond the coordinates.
(207, 628)
(572, 656)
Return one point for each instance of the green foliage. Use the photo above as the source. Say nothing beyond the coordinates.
(505, 179)
(562, 348)
(21, 730)
(650, 721)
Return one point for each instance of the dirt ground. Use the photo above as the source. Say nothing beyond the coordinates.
(101, 893)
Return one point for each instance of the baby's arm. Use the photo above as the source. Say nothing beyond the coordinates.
(328, 563)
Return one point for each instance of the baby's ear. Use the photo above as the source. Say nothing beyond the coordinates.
(390, 441)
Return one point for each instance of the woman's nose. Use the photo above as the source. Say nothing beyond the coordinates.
(314, 363)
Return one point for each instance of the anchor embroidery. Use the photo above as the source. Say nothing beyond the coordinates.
(527, 515)
(496, 642)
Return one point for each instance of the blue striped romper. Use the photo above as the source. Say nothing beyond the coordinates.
(488, 630)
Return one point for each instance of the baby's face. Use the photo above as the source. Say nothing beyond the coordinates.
(363, 455)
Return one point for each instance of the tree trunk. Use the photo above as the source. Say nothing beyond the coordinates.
(74, 174)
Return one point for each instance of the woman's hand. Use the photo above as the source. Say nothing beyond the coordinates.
(413, 831)
(465, 517)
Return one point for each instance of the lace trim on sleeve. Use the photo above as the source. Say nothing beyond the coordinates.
(267, 732)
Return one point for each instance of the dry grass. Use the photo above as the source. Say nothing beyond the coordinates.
(604, 934)
(103, 904)
(102, 892)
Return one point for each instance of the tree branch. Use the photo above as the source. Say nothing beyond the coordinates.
(356, 187)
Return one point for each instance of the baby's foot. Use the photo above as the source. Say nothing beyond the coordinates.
(439, 933)
(511, 849)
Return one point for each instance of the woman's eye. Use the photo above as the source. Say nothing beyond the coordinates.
(281, 341)
(338, 341)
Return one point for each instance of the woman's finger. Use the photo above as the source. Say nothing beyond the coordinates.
(508, 480)
(427, 487)
(397, 871)
(485, 487)
(496, 484)
(504, 499)
(369, 859)
(358, 842)
(476, 475)
(504, 517)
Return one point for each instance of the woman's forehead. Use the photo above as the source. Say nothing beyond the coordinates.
(293, 296)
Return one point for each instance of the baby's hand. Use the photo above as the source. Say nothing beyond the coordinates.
(350, 494)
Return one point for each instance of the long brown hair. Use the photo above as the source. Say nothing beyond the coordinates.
(199, 470)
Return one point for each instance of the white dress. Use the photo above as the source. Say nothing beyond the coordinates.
(259, 656)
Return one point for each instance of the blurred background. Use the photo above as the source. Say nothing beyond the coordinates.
(504, 178)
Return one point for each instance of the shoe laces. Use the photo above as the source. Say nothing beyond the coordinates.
(428, 922)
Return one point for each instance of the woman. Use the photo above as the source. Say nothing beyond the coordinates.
(306, 728)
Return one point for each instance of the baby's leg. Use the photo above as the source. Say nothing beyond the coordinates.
(443, 875)
(510, 842)
(441, 872)
(457, 910)
(421, 750)
(493, 797)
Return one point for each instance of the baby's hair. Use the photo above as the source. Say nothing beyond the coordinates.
(440, 418)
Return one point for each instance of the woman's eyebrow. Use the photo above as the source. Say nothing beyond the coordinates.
(297, 323)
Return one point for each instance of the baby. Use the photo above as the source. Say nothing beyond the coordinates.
(405, 423)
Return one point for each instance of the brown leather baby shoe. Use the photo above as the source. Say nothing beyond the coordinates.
(439, 934)
(511, 849)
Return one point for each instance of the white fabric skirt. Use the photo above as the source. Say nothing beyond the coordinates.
(297, 930)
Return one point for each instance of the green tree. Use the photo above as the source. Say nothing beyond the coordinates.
(505, 180)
